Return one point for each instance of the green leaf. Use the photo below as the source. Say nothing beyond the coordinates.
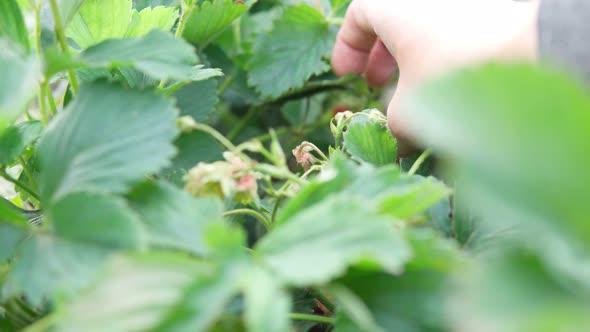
(160, 17)
(412, 302)
(12, 24)
(48, 266)
(499, 136)
(368, 139)
(383, 190)
(69, 8)
(339, 7)
(342, 173)
(98, 20)
(146, 286)
(172, 59)
(204, 301)
(519, 292)
(292, 52)
(10, 238)
(141, 4)
(305, 111)
(410, 196)
(15, 139)
(267, 304)
(320, 243)
(105, 140)
(97, 219)
(20, 76)
(10, 214)
(193, 148)
(208, 19)
(427, 168)
(197, 99)
(173, 218)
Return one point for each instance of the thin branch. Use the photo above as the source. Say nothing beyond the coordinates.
(18, 183)
(63, 42)
(264, 220)
(312, 318)
(419, 162)
(28, 173)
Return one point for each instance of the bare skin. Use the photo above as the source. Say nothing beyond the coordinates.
(425, 38)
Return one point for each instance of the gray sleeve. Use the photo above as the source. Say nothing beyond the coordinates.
(564, 34)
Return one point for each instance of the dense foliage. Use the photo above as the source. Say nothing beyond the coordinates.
(193, 166)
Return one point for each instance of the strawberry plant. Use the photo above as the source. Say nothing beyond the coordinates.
(189, 166)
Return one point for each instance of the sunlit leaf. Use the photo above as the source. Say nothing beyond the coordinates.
(160, 17)
(209, 18)
(98, 20)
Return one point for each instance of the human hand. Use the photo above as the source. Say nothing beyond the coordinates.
(427, 37)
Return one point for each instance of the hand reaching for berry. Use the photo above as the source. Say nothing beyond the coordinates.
(427, 37)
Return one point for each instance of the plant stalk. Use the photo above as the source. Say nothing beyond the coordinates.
(323, 300)
(49, 95)
(312, 318)
(28, 173)
(63, 42)
(418, 163)
(264, 220)
(18, 183)
(43, 106)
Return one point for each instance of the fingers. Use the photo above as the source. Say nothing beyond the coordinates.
(355, 41)
(381, 65)
(395, 118)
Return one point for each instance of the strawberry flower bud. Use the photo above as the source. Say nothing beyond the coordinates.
(304, 156)
(230, 178)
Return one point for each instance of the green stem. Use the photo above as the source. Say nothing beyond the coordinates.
(276, 209)
(28, 173)
(264, 220)
(419, 162)
(287, 130)
(179, 31)
(49, 95)
(18, 183)
(217, 135)
(42, 106)
(183, 18)
(225, 85)
(323, 300)
(312, 318)
(244, 121)
(63, 42)
(28, 115)
(38, 29)
(307, 91)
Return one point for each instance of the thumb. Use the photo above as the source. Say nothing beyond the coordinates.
(397, 113)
